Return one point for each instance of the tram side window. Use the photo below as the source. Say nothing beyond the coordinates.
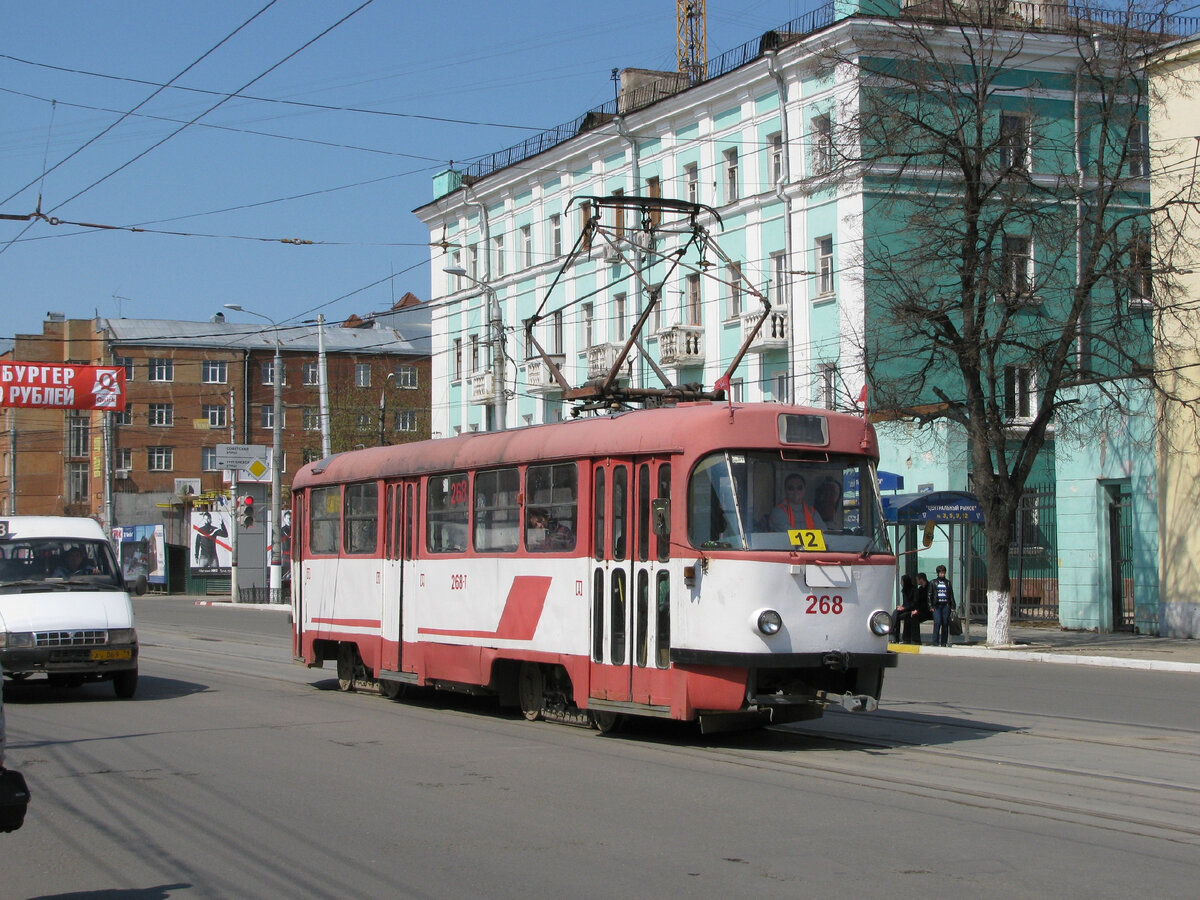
(361, 527)
(497, 510)
(447, 508)
(552, 490)
(325, 519)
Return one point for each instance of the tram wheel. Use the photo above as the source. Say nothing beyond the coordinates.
(347, 663)
(606, 721)
(531, 690)
(390, 690)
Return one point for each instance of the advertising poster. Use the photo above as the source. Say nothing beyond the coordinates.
(285, 549)
(142, 551)
(210, 552)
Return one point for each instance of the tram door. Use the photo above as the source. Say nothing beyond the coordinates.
(626, 612)
(398, 551)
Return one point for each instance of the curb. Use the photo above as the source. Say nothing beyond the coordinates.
(229, 604)
(1002, 653)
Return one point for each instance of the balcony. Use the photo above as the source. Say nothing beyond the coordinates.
(681, 345)
(483, 386)
(538, 377)
(774, 332)
(600, 359)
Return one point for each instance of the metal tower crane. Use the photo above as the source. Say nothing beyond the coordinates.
(693, 53)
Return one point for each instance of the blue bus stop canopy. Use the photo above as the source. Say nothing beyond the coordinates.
(943, 507)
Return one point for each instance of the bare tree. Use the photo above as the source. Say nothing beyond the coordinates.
(1006, 147)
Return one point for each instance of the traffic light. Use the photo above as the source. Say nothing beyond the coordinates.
(245, 511)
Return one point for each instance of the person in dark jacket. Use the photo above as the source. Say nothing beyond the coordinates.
(905, 624)
(941, 601)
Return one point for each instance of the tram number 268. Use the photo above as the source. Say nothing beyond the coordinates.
(824, 605)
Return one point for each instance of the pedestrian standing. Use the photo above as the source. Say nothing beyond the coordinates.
(941, 598)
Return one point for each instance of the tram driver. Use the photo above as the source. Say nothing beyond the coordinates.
(795, 511)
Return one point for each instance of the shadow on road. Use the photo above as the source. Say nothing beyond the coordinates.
(40, 690)
(158, 892)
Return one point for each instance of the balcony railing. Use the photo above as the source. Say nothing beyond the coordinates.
(483, 386)
(600, 358)
(538, 378)
(681, 345)
(774, 332)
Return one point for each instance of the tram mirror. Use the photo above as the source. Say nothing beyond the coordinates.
(927, 539)
(661, 514)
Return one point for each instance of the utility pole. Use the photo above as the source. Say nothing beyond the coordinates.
(323, 381)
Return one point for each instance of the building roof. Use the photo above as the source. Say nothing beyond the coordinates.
(370, 338)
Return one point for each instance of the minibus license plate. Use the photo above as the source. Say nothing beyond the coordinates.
(110, 654)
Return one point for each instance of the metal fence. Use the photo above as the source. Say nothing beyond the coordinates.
(1032, 561)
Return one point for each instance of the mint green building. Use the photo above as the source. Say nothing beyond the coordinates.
(759, 140)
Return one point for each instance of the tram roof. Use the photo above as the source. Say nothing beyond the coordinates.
(688, 427)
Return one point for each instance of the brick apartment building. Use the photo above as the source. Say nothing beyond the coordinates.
(193, 385)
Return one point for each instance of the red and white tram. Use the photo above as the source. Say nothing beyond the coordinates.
(644, 563)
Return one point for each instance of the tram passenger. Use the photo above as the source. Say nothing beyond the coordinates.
(542, 534)
(794, 512)
(828, 502)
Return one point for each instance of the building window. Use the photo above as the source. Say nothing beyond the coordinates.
(266, 416)
(474, 353)
(215, 413)
(691, 182)
(692, 299)
(775, 150)
(827, 388)
(406, 377)
(588, 322)
(1014, 142)
(362, 375)
(556, 235)
(77, 435)
(472, 261)
(730, 165)
(556, 332)
(619, 313)
(526, 246)
(123, 458)
(654, 189)
(733, 300)
(363, 421)
(310, 419)
(498, 256)
(1139, 150)
(405, 420)
(160, 459)
(737, 390)
(1020, 393)
(162, 414)
(824, 252)
(778, 264)
(208, 459)
(585, 216)
(619, 215)
(267, 370)
(162, 369)
(126, 363)
(821, 128)
(456, 372)
(1141, 273)
(1017, 263)
(780, 387)
(77, 482)
(213, 371)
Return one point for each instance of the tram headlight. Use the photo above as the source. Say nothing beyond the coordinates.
(768, 621)
(881, 622)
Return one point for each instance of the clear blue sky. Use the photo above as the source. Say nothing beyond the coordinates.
(226, 189)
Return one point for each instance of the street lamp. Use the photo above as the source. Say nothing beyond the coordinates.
(497, 325)
(276, 582)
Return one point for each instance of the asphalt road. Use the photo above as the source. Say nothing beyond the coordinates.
(236, 773)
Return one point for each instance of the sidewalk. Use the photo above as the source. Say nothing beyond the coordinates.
(1031, 643)
(1052, 644)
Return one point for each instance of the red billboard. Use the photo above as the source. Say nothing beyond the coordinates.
(62, 386)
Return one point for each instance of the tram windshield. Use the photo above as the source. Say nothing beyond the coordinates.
(759, 500)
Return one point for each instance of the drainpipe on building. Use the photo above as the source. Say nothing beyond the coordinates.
(495, 314)
(785, 178)
(637, 249)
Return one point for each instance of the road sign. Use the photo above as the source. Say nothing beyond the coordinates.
(241, 456)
